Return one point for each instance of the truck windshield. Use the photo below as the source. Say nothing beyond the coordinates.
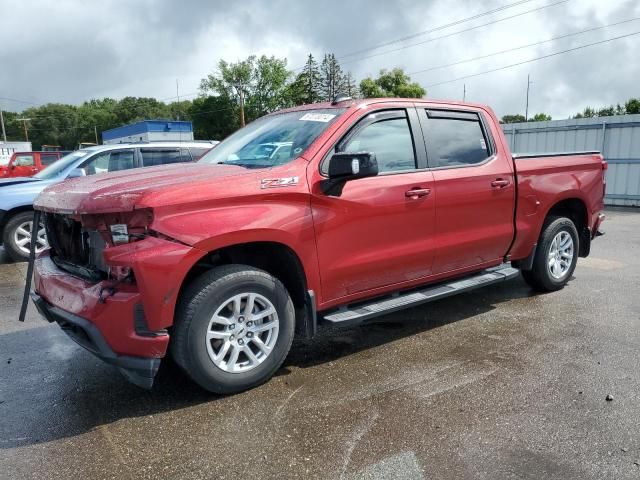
(273, 140)
(54, 169)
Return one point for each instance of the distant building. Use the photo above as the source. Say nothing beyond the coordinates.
(9, 148)
(150, 131)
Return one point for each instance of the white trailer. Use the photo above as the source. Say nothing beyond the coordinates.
(9, 148)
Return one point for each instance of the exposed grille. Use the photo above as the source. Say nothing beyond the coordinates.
(74, 249)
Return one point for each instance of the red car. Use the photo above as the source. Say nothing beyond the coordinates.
(376, 205)
(27, 164)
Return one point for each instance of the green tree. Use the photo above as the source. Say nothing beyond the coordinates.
(517, 118)
(305, 88)
(391, 83)
(261, 81)
(606, 111)
(214, 118)
(632, 106)
(540, 117)
(133, 109)
(332, 79)
(268, 86)
(350, 86)
(586, 113)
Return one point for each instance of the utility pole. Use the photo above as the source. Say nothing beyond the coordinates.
(241, 94)
(178, 97)
(464, 92)
(526, 110)
(4, 132)
(24, 122)
(95, 130)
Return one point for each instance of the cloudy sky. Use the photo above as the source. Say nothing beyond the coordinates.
(71, 51)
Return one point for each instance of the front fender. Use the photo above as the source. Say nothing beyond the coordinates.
(284, 218)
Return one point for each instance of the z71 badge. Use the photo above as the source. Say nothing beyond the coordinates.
(278, 182)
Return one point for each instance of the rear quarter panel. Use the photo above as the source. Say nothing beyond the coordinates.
(545, 181)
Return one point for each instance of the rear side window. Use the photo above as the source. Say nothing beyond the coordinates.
(163, 156)
(48, 158)
(455, 139)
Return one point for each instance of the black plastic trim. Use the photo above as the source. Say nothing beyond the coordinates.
(140, 323)
(517, 156)
(311, 315)
(138, 370)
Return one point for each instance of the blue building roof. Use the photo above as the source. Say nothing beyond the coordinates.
(147, 126)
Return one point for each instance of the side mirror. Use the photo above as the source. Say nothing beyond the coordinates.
(12, 166)
(349, 166)
(345, 166)
(76, 172)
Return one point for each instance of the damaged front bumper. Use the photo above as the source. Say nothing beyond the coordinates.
(140, 371)
(128, 326)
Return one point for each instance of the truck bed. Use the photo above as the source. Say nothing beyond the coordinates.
(548, 178)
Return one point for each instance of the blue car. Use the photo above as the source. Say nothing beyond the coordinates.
(18, 194)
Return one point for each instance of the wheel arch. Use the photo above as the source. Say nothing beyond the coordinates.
(276, 258)
(575, 209)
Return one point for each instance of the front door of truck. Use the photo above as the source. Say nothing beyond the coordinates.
(378, 231)
(474, 189)
(23, 165)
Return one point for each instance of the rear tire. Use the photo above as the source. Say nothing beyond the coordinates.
(234, 328)
(556, 255)
(16, 237)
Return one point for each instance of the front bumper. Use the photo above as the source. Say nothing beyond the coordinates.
(140, 371)
(125, 324)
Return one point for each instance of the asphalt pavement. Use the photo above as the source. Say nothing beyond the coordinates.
(497, 383)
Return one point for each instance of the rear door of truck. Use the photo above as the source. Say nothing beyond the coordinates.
(474, 188)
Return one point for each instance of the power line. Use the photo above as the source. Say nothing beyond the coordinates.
(17, 100)
(435, 29)
(534, 59)
(559, 37)
(452, 34)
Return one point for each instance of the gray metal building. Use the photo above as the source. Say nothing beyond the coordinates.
(618, 137)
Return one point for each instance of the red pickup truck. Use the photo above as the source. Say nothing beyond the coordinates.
(27, 164)
(375, 205)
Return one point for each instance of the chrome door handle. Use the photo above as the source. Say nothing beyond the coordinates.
(500, 183)
(417, 193)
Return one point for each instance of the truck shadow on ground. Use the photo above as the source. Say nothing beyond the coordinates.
(65, 391)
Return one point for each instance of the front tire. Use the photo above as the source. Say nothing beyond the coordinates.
(234, 328)
(17, 236)
(556, 255)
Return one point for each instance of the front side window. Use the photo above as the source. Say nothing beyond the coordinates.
(24, 161)
(389, 139)
(455, 139)
(111, 161)
(273, 140)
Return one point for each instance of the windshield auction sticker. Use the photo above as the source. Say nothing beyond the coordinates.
(317, 117)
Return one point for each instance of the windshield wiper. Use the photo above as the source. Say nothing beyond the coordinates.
(246, 164)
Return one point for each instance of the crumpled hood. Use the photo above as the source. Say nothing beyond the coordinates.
(141, 187)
